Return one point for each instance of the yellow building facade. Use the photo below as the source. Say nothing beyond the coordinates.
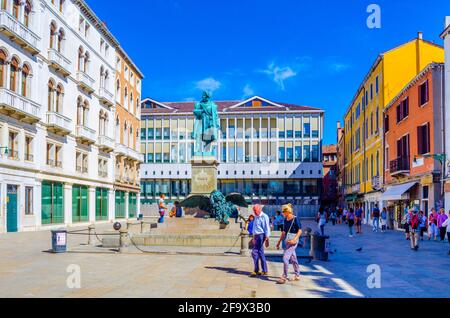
(364, 149)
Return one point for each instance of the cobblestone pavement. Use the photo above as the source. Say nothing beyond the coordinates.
(27, 270)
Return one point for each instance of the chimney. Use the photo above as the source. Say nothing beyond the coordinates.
(447, 22)
(339, 124)
(420, 35)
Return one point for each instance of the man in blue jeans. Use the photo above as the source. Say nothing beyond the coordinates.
(376, 218)
(261, 235)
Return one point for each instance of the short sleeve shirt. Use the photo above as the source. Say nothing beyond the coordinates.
(296, 226)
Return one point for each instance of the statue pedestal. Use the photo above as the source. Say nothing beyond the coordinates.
(204, 175)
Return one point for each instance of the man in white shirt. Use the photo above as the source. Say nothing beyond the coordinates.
(261, 235)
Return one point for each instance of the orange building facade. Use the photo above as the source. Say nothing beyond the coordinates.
(413, 129)
(128, 158)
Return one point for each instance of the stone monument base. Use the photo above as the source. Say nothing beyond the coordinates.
(204, 175)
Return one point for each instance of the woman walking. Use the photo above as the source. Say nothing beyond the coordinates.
(432, 225)
(351, 220)
(441, 220)
(292, 231)
(322, 219)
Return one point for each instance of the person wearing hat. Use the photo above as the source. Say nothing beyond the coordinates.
(292, 231)
(413, 222)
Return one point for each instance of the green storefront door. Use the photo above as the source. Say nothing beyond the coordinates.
(11, 209)
(120, 205)
(101, 204)
(80, 206)
(52, 203)
(132, 206)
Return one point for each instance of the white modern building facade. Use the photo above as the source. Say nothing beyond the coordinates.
(57, 109)
(270, 152)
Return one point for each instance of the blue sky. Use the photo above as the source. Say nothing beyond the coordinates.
(303, 52)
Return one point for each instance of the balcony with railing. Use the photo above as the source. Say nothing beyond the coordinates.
(124, 151)
(106, 143)
(19, 33)
(85, 82)
(106, 97)
(58, 123)
(85, 135)
(13, 155)
(58, 62)
(54, 163)
(19, 107)
(400, 166)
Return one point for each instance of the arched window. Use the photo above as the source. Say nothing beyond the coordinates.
(100, 123)
(27, 14)
(14, 69)
(79, 111)
(61, 38)
(125, 134)
(102, 75)
(26, 71)
(85, 113)
(126, 98)
(117, 130)
(59, 98)
(118, 90)
(51, 89)
(80, 59)
(3, 58)
(106, 82)
(61, 5)
(52, 35)
(131, 139)
(131, 102)
(16, 9)
(86, 62)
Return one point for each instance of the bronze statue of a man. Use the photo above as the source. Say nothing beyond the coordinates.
(206, 127)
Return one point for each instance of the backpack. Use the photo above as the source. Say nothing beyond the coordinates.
(415, 222)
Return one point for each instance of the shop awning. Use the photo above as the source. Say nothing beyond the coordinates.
(396, 193)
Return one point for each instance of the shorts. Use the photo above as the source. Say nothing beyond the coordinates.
(358, 221)
(407, 230)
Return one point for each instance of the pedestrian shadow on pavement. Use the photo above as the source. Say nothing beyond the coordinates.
(235, 271)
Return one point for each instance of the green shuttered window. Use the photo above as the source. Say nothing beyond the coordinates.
(120, 205)
(52, 203)
(101, 204)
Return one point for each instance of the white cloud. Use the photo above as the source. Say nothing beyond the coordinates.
(248, 91)
(279, 74)
(208, 84)
(339, 67)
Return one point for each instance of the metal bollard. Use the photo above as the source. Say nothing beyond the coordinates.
(245, 242)
(142, 227)
(123, 240)
(91, 229)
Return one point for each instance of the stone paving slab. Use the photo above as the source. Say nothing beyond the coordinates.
(26, 270)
